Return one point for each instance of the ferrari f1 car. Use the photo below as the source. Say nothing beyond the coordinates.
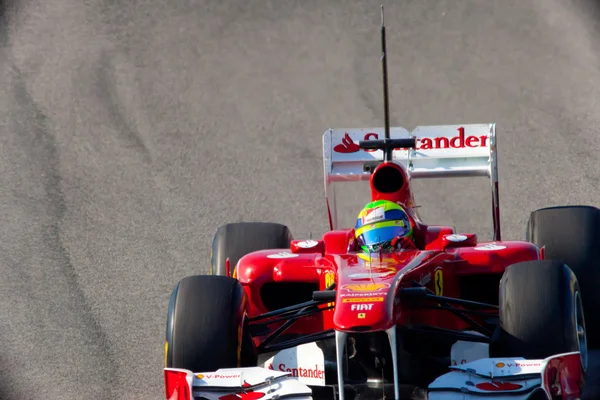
(451, 318)
(455, 318)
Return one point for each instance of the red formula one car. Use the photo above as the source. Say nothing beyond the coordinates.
(451, 318)
(445, 318)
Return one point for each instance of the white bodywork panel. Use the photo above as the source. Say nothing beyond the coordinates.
(305, 362)
(463, 352)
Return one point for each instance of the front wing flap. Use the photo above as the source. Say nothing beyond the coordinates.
(234, 384)
(511, 378)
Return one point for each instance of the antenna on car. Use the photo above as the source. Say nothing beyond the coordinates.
(387, 155)
(387, 145)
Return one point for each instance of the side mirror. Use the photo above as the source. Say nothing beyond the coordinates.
(307, 246)
(459, 240)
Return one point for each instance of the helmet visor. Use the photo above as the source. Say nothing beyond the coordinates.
(382, 232)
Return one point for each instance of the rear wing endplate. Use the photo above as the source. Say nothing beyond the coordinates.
(441, 151)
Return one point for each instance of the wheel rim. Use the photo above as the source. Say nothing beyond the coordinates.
(581, 333)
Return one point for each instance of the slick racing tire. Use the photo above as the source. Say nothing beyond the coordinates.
(571, 234)
(205, 325)
(235, 240)
(541, 312)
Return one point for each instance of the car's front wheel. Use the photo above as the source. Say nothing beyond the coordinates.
(235, 240)
(541, 312)
(571, 234)
(205, 325)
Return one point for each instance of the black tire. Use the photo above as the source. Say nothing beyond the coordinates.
(571, 234)
(235, 240)
(203, 324)
(538, 312)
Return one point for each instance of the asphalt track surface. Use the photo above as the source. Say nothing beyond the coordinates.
(130, 130)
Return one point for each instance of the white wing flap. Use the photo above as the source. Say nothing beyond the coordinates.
(508, 378)
(461, 386)
(236, 377)
(502, 367)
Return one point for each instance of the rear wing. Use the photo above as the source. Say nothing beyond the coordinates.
(441, 151)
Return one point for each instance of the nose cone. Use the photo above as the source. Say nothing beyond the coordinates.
(364, 307)
(366, 289)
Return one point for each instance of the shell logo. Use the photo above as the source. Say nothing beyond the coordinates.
(199, 376)
(366, 287)
(500, 365)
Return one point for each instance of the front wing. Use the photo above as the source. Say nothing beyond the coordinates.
(234, 384)
(556, 377)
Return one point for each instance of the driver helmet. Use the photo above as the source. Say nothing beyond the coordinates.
(379, 226)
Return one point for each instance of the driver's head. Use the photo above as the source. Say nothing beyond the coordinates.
(380, 224)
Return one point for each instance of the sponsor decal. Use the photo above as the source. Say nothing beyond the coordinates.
(439, 281)
(426, 143)
(365, 287)
(284, 254)
(363, 300)
(361, 307)
(376, 261)
(299, 372)
(306, 363)
(490, 247)
(362, 315)
(498, 386)
(518, 364)
(347, 145)
(373, 215)
(218, 376)
(307, 244)
(360, 294)
(329, 280)
(456, 238)
(378, 268)
(367, 275)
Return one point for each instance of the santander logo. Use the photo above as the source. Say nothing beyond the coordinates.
(347, 145)
(456, 142)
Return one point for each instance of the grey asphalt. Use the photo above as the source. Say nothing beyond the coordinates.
(130, 130)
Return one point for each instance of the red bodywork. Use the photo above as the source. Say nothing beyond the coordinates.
(367, 286)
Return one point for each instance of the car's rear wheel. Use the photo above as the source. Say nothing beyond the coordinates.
(571, 234)
(205, 325)
(235, 240)
(541, 312)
